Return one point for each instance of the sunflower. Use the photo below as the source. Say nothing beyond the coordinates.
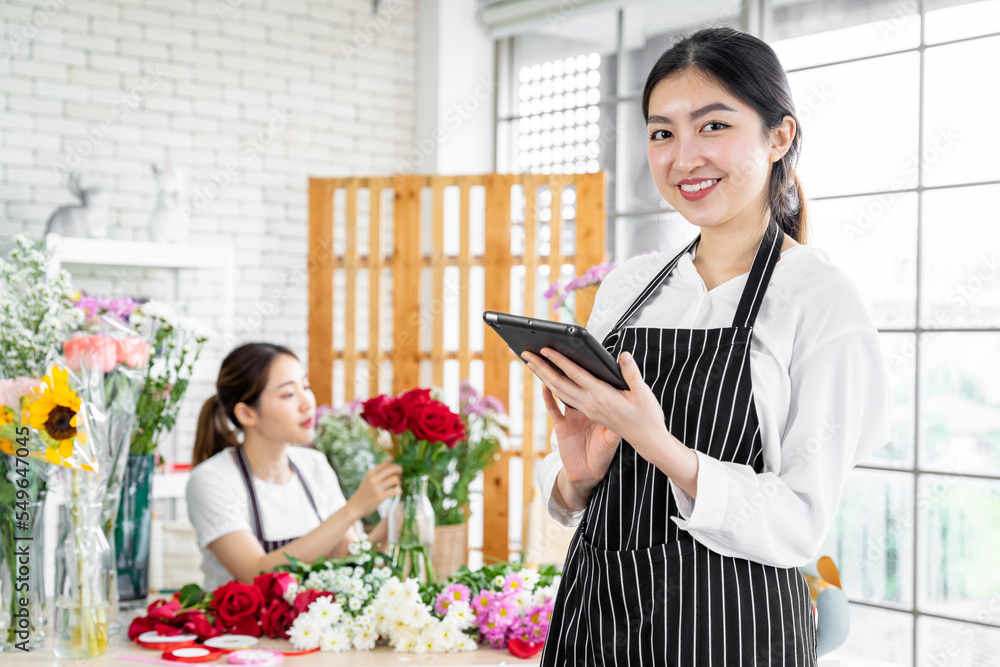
(54, 412)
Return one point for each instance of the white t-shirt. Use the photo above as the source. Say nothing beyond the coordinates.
(218, 504)
(821, 391)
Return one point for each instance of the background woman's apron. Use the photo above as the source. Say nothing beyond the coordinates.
(258, 526)
(636, 588)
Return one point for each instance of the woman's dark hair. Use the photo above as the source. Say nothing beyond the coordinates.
(749, 69)
(242, 378)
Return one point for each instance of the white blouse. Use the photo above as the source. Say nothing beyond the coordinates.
(821, 389)
(218, 503)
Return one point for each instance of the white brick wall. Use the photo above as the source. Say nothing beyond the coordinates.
(188, 83)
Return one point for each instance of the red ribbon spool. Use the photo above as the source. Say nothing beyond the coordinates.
(194, 653)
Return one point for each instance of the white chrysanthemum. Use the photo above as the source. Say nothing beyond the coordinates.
(460, 615)
(304, 633)
(326, 611)
(529, 576)
(465, 643)
(498, 581)
(355, 604)
(364, 638)
(392, 591)
(416, 615)
(408, 643)
(366, 545)
(354, 548)
(160, 310)
(334, 639)
(524, 599)
(443, 637)
(383, 624)
(411, 587)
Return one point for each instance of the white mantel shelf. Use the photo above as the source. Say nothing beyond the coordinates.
(118, 252)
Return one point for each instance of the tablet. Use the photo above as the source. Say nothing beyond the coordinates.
(575, 342)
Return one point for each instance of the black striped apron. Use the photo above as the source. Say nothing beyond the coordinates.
(258, 525)
(636, 588)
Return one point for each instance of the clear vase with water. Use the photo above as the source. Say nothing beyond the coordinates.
(83, 566)
(411, 530)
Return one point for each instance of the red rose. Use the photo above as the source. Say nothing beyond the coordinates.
(395, 415)
(371, 410)
(307, 597)
(237, 607)
(435, 422)
(276, 619)
(195, 622)
(273, 585)
(163, 609)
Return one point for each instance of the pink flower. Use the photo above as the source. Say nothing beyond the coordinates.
(97, 352)
(11, 391)
(484, 603)
(133, 351)
(442, 603)
(513, 583)
(458, 593)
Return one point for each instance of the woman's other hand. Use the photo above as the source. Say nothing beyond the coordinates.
(381, 482)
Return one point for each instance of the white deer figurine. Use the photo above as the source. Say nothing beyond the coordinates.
(169, 221)
(87, 219)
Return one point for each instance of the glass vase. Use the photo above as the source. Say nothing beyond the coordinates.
(23, 609)
(132, 531)
(411, 531)
(83, 578)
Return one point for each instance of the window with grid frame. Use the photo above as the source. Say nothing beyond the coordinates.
(903, 191)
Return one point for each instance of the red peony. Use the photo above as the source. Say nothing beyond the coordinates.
(435, 422)
(371, 410)
(237, 607)
(276, 619)
(307, 597)
(273, 585)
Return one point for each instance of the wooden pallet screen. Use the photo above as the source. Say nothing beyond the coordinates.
(343, 212)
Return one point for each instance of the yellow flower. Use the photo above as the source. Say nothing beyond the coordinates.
(55, 412)
(6, 415)
(7, 447)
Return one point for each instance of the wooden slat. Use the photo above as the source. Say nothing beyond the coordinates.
(555, 267)
(406, 283)
(437, 281)
(496, 262)
(321, 289)
(590, 226)
(374, 265)
(350, 290)
(463, 279)
(528, 424)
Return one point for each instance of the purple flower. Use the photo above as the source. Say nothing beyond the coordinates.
(493, 403)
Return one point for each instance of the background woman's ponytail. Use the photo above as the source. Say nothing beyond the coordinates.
(749, 69)
(242, 379)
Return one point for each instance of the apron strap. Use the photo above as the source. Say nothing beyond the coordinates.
(244, 467)
(764, 261)
(648, 290)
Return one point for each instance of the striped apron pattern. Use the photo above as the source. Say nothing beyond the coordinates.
(638, 590)
(258, 526)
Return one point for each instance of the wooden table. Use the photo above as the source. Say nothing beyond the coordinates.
(383, 656)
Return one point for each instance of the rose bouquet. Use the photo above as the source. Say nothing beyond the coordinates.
(421, 430)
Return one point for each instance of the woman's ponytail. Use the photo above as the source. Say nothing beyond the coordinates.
(214, 432)
(242, 378)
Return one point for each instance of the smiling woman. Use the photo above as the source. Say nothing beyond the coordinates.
(255, 499)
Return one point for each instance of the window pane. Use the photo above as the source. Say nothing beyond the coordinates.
(636, 189)
(900, 357)
(651, 28)
(959, 543)
(955, 644)
(874, 239)
(946, 22)
(871, 540)
(566, 62)
(807, 34)
(960, 403)
(877, 638)
(954, 95)
(636, 234)
(960, 260)
(796, 18)
(851, 114)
